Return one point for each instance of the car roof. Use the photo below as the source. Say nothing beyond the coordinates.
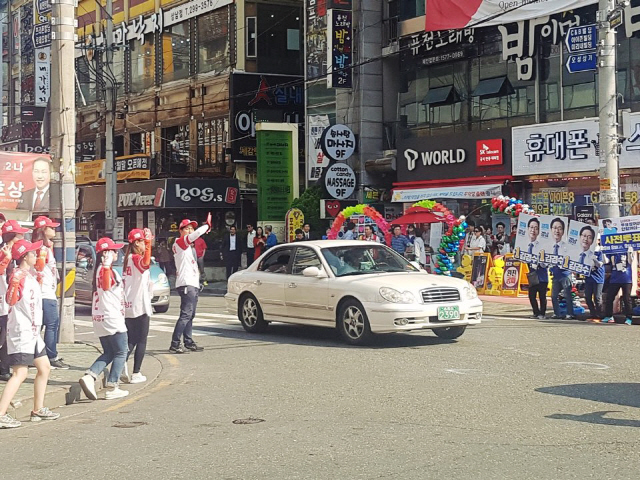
(331, 243)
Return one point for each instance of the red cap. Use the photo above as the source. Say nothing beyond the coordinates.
(2, 217)
(106, 243)
(43, 221)
(186, 222)
(22, 247)
(135, 235)
(12, 226)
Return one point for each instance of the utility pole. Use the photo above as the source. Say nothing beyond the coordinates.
(607, 102)
(63, 150)
(111, 206)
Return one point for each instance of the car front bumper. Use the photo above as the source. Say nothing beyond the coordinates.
(393, 317)
(161, 296)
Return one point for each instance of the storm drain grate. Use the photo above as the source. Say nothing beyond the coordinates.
(129, 424)
(247, 421)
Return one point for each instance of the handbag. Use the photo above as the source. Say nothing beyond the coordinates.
(533, 278)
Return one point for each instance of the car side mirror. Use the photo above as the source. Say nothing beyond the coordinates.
(417, 265)
(314, 272)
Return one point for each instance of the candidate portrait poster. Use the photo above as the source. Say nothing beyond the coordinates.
(24, 181)
(618, 234)
(553, 239)
(582, 240)
(527, 246)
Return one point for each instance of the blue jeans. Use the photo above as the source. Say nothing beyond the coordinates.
(593, 296)
(115, 349)
(561, 284)
(51, 324)
(184, 325)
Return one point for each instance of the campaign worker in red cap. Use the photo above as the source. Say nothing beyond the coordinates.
(138, 291)
(47, 274)
(24, 342)
(11, 233)
(108, 322)
(187, 283)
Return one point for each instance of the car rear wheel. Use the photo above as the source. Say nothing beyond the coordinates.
(449, 333)
(353, 323)
(250, 314)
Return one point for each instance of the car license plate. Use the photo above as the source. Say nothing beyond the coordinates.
(449, 313)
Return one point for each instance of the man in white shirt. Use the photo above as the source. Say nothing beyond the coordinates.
(306, 232)
(187, 283)
(251, 235)
(586, 239)
(557, 233)
(231, 251)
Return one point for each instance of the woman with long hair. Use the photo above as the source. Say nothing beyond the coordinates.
(107, 312)
(259, 243)
(137, 298)
(47, 274)
(24, 343)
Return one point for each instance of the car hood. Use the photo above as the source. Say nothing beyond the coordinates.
(402, 281)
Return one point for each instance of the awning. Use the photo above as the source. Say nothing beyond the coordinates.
(493, 87)
(466, 192)
(418, 215)
(441, 96)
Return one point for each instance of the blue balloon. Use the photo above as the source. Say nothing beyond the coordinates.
(519, 202)
(465, 225)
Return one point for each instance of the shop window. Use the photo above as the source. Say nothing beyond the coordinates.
(277, 50)
(212, 141)
(115, 71)
(213, 41)
(135, 143)
(251, 32)
(175, 52)
(634, 75)
(86, 84)
(550, 65)
(410, 8)
(143, 63)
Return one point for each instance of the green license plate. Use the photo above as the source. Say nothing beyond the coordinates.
(449, 313)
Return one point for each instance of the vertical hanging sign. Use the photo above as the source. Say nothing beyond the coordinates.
(339, 48)
(42, 45)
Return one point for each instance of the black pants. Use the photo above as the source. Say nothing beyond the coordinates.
(593, 297)
(231, 269)
(4, 355)
(138, 330)
(540, 291)
(184, 325)
(612, 291)
(250, 253)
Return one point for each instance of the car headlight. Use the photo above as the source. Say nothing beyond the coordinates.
(162, 278)
(470, 292)
(394, 296)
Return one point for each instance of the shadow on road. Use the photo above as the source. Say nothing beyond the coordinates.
(597, 418)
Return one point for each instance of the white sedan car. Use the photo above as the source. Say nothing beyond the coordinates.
(358, 287)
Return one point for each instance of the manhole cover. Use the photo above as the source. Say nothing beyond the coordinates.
(129, 424)
(248, 421)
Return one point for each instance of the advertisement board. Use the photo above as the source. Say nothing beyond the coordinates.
(618, 234)
(24, 181)
(128, 167)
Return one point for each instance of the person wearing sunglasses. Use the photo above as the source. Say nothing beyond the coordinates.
(477, 243)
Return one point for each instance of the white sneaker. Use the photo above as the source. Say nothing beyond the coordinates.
(115, 393)
(88, 384)
(124, 377)
(138, 378)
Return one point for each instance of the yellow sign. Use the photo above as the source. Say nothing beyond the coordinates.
(129, 167)
(605, 184)
(294, 221)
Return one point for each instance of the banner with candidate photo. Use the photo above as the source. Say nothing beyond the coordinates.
(618, 234)
(24, 181)
(527, 246)
(581, 248)
(553, 239)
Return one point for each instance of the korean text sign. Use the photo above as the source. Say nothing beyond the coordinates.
(275, 174)
(24, 181)
(617, 234)
(339, 45)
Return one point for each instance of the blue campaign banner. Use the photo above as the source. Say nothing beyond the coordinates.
(618, 234)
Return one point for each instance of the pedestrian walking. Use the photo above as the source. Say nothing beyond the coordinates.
(187, 283)
(538, 290)
(593, 286)
(259, 244)
(620, 279)
(24, 342)
(250, 248)
(272, 240)
(108, 322)
(201, 248)
(138, 291)
(11, 233)
(232, 251)
(47, 274)
(399, 242)
(562, 283)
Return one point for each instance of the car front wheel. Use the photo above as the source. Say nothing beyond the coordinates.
(353, 323)
(250, 314)
(449, 333)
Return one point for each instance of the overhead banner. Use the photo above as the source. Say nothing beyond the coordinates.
(129, 167)
(454, 14)
(618, 234)
(24, 181)
(464, 192)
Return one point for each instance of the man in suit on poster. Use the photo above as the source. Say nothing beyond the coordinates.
(37, 199)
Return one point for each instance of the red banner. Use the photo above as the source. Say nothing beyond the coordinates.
(24, 181)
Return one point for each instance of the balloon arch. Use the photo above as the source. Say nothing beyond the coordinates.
(452, 241)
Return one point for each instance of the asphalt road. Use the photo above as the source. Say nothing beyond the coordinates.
(513, 398)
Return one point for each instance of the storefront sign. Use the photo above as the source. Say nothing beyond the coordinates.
(202, 193)
(129, 167)
(145, 195)
(489, 152)
(192, 9)
(456, 193)
(280, 97)
(586, 214)
(339, 48)
(338, 142)
(316, 159)
(618, 234)
(331, 208)
(294, 221)
(437, 157)
(340, 181)
(316, 38)
(275, 174)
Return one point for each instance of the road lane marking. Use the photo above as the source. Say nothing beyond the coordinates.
(171, 359)
(594, 366)
(157, 328)
(129, 401)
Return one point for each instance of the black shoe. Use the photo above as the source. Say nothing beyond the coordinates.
(194, 348)
(177, 349)
(4, 377)
(557, 317)
(58, 363)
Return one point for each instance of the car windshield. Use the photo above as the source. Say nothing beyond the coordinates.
(367, 259)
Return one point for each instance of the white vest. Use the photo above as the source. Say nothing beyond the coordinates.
(25, 320)
(187, 273)
(138, 288)
(49, 276)
(108, 306)
(4, 306)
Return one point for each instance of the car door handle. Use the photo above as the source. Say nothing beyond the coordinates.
(292, 285)
(257, 282)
